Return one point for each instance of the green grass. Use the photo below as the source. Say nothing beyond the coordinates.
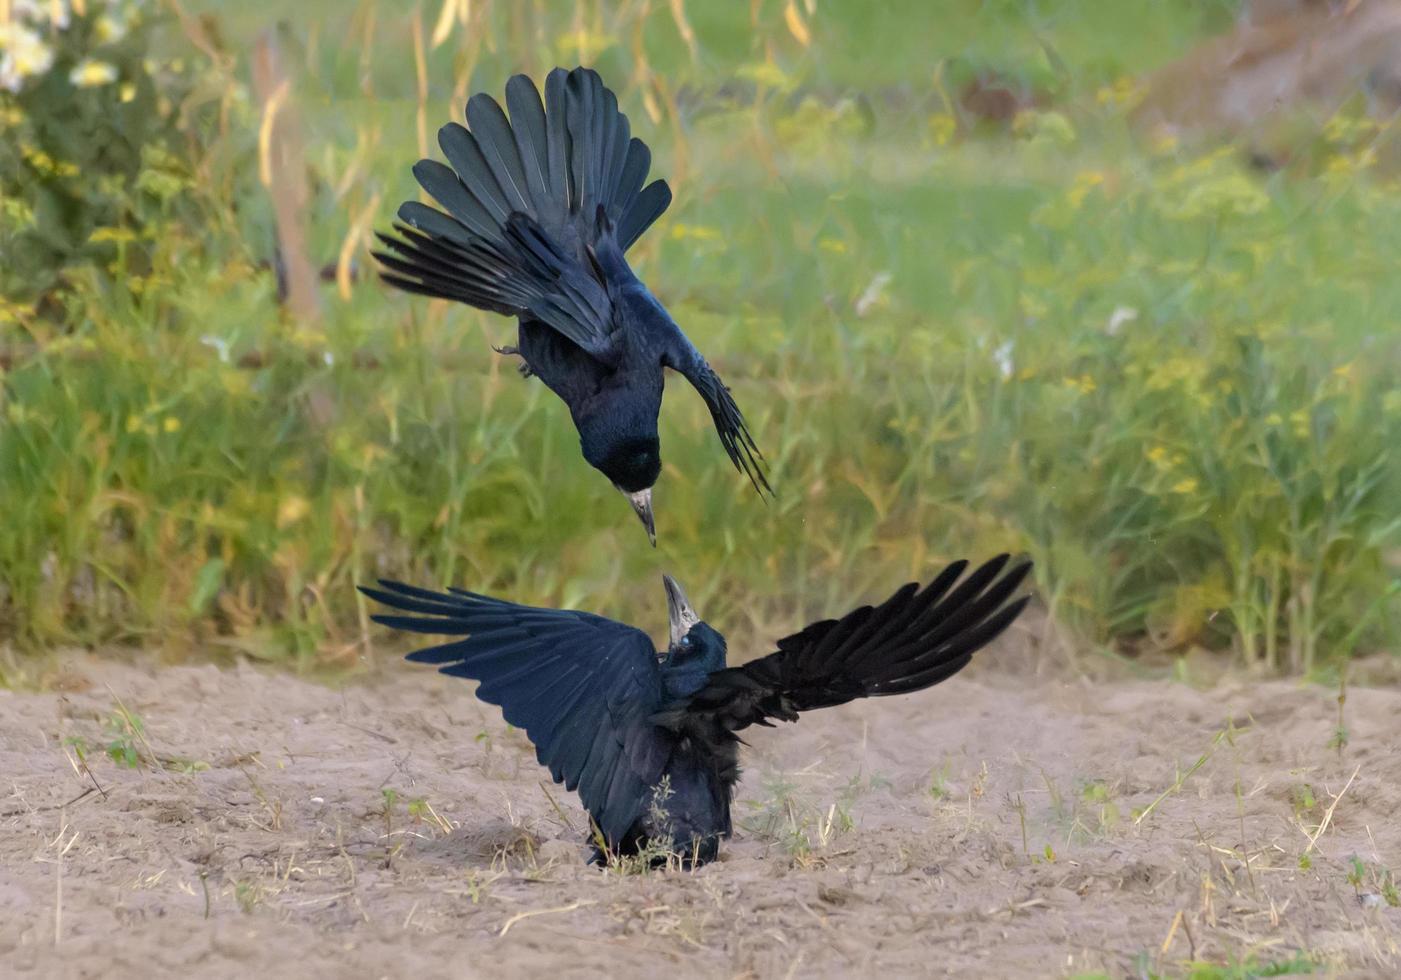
(1168, 379)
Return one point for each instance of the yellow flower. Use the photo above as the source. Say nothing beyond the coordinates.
(700, 233)
(1084, 183)
(110, 29)
(291, 510)
(110, 233)
(1232, 194)
(1189, 485)
(1125, 92)
(584, 45)
(127, 91)
(1044, 127)
(942, 128)
(171, 424)
(767, 74)
(1164, 143)
(89, 73)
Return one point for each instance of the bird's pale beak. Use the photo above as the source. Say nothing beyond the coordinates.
(642, 506)
(682, 616)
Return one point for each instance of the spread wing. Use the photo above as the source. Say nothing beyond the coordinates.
(915, 639)
(520, 198)
(582, 687)
(729, 421)
(526, 273)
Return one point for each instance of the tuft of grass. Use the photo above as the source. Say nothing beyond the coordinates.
(124, 731)
(793, 820)
(1246, 968)
(1372, 883)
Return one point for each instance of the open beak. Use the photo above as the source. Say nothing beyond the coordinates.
(679, 610)
(642, 506)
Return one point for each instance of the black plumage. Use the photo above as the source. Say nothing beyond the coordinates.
(649, 739)
(540, 209)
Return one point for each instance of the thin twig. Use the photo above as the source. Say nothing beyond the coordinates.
(534, 912)
(1182, 779)
(558, 810)
(1328, 816)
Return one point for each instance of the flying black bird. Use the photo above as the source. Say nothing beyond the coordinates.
(649, 739)
(540, 210)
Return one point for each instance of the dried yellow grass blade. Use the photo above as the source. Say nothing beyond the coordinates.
(265, 132)
(420, 60)
(443, 27)
(364, 139)
(796, 27)
(1172, 931)
(642, 75)
(683, 26)
(358, 229)
(649, 104)
(367, 47)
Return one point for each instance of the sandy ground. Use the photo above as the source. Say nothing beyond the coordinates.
(984, 828)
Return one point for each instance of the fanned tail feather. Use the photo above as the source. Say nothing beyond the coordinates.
(541, 175)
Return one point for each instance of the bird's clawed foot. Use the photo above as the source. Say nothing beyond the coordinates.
(523, 367)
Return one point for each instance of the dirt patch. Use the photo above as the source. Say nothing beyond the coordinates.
(984, 828)
(1290, 55)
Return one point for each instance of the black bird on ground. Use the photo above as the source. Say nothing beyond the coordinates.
(540, 211)
(649, 739)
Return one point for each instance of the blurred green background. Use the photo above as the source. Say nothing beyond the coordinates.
(967, 299)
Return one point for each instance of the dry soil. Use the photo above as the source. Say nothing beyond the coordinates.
(983, 828)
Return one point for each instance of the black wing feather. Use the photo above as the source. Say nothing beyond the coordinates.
(581, 687)
(729, 421)
(528, 126)
(646, 207)
(498, 145)
(913, 640)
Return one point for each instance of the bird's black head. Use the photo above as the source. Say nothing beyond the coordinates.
(695, 646)
(633, 463)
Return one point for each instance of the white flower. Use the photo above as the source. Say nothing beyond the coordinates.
(1117, 319)
(110, 29)
(9, 75)
(873, 294)
(90, 72)
(220, 345)
(55, 13)
(1002, 357)
(25, 54)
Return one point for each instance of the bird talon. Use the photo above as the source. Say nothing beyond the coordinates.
(523, 367)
